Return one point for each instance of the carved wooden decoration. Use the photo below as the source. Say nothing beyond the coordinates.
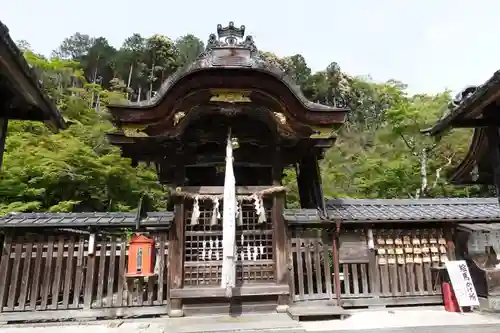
(178, 117)
(230, 96)
(281, 117)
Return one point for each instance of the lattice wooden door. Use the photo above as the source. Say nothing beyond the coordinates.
(203, 247)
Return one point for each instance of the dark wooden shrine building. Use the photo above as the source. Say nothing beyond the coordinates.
(21, 94)
(478, 108)
(183, 130)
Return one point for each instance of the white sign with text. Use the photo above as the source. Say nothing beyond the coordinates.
(462, 284)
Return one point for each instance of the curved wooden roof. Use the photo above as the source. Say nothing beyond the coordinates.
(475, 168)
(467, 108)
(235, 65)
(31, 103)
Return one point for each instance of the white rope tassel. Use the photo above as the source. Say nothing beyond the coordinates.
(228, 280)
(158, 255)
(195, 215)
(215, 212)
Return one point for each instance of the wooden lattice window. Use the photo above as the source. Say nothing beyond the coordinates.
(203, 247)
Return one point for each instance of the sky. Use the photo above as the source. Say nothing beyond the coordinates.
(431, 45)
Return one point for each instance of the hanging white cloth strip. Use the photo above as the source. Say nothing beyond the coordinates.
(262, 213)
(196, 212)
(239, 212)
(228, 280)
(215, 212)
(256, 204)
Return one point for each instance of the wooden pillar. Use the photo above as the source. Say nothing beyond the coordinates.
(449, 235)
(493, 138)
(176, 243)
(336, 263)
(318, 186)
(280, 248)
(493, 142)
(176, 257)
(304, 184)
(309, 183)
(280, 238)
(3, 135)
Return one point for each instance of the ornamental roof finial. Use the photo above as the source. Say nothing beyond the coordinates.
(230, 32)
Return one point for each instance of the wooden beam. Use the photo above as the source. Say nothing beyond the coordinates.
(214, 190)
(477, 123)
(244, 290)
(58, 315)
(3, 135)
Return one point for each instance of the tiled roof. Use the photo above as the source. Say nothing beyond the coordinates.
(298, 216)
(83, 219)
(467, 104)
(402, 210)
(487, 227)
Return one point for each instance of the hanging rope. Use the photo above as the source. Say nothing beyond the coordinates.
(214, 197)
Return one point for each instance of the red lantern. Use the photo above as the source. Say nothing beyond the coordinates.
(140, 256)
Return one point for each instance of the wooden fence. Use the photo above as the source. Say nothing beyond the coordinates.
(55, 272)
(363, 281)
(52, 274)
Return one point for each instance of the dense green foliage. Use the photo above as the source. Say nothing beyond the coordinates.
(379, 153)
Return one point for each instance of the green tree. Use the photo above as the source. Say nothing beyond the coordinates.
(161, 60)
(379, 153)
(189, 47)
(76, 169)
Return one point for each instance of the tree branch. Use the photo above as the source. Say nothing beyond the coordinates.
(408, 144)
(438, 170)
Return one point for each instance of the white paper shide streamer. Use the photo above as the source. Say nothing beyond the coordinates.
(196, 212)
(228, 280)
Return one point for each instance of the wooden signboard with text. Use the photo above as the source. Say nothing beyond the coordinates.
(461, 281)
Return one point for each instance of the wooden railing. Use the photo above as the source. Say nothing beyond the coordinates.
(364, 278)
(56, 272)
(355, 280)
(407, 279)
(311, 271)
(51, 270)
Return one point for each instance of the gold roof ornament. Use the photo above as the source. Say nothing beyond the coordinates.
(178, 117)
(281, 117)
(230, 96)
(322, 132)
(134, 131)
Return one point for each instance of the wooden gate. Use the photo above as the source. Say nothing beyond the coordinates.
(312, 277)
(203, 247)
